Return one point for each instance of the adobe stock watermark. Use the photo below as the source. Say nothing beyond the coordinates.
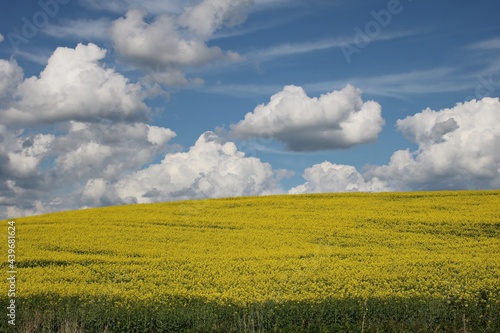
(372, 29)
(11, 272)
(488, 85)
(40, 19)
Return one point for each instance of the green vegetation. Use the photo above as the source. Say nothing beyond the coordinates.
(387, 262)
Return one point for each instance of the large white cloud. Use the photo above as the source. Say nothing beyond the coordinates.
(457, 148)
(107, 150)
(47, 172)
(20, 177)
(328, 177)
(158, 42)
(211, 168)
(339, 119)
(168, 44)
(75, 86)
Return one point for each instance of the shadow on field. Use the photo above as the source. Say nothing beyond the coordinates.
(46, 313)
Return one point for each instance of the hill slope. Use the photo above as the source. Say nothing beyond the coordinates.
(343, 262)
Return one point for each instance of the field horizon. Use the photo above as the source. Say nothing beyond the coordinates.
(333, 262)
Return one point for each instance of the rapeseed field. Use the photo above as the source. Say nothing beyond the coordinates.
(386, 262)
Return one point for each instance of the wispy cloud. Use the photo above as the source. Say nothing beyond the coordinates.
(437, 80)
(172, 6)
(238, 31)
(324, 44)
(239, 90)
(37, 56)
(398, 85)
(488, 44)
(275, 3)
(80, 29)
(122, 6)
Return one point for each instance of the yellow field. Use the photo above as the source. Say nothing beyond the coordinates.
(310, 249)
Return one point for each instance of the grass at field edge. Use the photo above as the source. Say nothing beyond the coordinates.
(44, 314)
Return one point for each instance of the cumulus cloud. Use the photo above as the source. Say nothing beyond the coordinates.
(107, 150)
(211, 168)
(96, 164)
(10, 76)
(20, 178)
(36, 168)
(167, 44)
(328, 177)
(20, 158)
(95, 131)
(457, 149)
(75, 86)
(158, 42)
(337, 120)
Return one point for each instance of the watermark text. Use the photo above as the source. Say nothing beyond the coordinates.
(11, 272)
(32, 26)
(372, 29)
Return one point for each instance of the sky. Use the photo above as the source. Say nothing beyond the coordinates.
(125, 101)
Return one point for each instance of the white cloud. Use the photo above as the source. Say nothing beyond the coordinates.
(10, 76)
(75, 86)
(159, 42)
(36, 56)
(328, 177)
(20, 178)
(239, 31)
(21, 156)
(54, 170)
(457, 148)
(339, 119)
(24, 161)
(167, 44)
(289, 49)
(92, 164)
(108, 150)
(79, 29)
(95, 164)
(36, 208)
(94, 192)
(1, 38)
(397, 85)
(209, 15)
(489, 44)
(295, 48)
(211, 168)
(400, 85)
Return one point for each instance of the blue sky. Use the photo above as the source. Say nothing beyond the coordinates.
(129, 101)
